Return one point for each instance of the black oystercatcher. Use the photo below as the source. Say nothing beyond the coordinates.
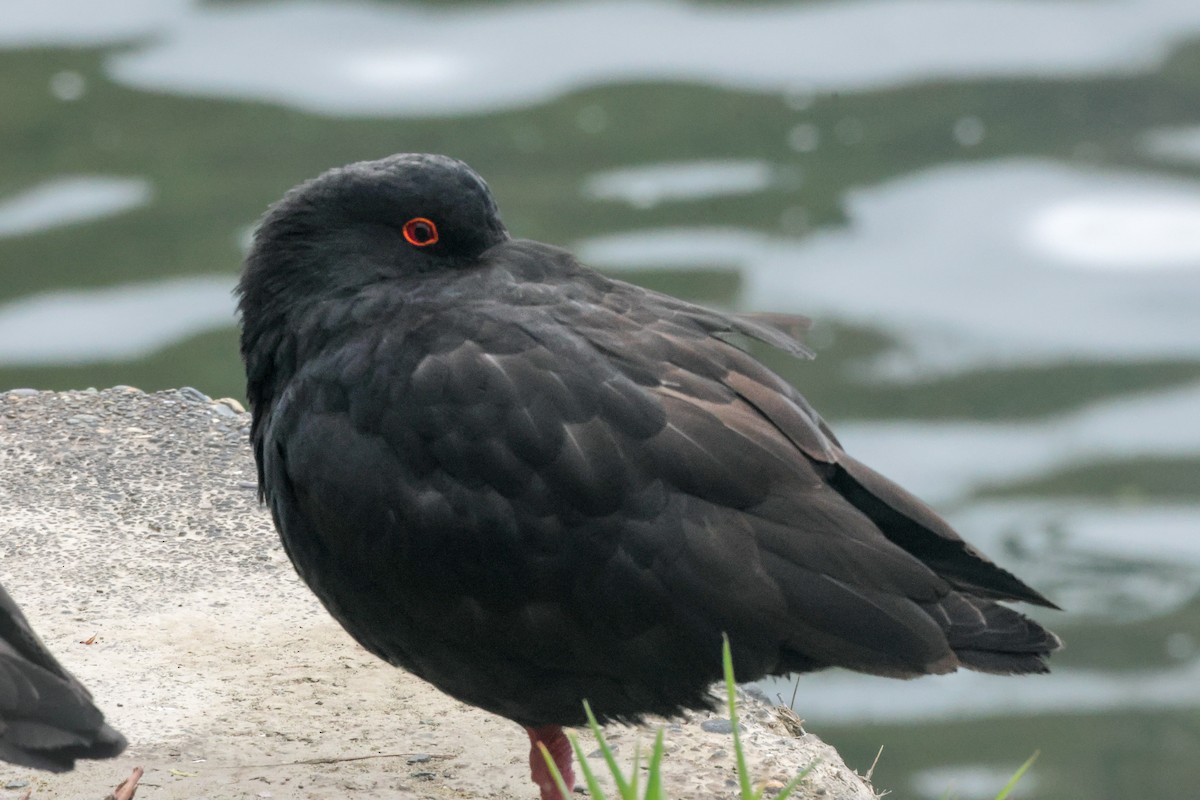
(530, 484)
(47, 719)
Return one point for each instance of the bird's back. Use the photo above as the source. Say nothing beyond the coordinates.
(536, 485)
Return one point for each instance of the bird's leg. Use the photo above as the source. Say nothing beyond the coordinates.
(559, 746)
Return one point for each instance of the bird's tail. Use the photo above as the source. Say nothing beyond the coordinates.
(989, 637)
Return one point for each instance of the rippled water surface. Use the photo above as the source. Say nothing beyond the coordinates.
(991, 209)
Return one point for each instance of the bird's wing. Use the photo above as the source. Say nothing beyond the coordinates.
(672, 327)
(901, 517)
(839, 516)
(574, 491)
(47, 719)
(751, 462)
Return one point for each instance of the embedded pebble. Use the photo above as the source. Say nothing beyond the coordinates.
(233, 404)
(718, 726)
(192, 393)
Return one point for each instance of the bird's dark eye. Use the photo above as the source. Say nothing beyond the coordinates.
(420, 232)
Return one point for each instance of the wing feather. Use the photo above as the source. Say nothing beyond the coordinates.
(560, 490)
(47, 718)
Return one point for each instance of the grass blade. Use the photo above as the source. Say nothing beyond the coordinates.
(731, 691)
(794, 782)
(1012, 782)
(628, 787)
(654, 790)
(623, 786)
(589, 777)
(554, 773)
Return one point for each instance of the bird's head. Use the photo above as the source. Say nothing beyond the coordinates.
(373, 221)
(356, 231)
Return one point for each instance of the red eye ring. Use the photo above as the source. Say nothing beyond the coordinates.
(420, 232)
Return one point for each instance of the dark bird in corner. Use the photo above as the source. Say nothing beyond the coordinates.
(530, 484)
(47, 718)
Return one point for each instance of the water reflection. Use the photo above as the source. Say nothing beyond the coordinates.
(113, 324)
(1148, 554)
(966, 280)
(1173, 144)
(941, 461)
(70, 200)
(970, 782)
(846, 698)
(1132, 231)
(362, 59)
(965, 262)
(649, 185)
(86, 22)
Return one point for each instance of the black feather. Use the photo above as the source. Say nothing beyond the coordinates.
(47, 718)
(530, 484)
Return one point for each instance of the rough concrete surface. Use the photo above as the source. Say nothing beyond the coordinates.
(134, 518)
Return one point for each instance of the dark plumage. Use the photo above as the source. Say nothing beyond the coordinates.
(47, 719)
(530, 484)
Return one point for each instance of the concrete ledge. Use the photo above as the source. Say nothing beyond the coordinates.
(134, 518)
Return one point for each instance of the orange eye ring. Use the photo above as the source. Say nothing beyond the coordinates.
(420, 232)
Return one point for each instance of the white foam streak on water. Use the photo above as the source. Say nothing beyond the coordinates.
(46, 23)
(70, 200)
(1123, 233)
(113, 324)
(1149, 555)
(971, 782)
(357, 58)
(1134, 533)
(651, 184)
(1173, 144)
(946, 461)
(841, 697)
(411, 68)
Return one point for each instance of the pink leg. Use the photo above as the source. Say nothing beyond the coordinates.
(560, 750)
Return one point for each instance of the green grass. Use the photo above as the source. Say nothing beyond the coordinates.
(629, 787)
(1012, 782)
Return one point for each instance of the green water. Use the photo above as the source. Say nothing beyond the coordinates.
(1001, 257)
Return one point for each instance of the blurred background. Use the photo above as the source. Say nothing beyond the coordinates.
(990, 208)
